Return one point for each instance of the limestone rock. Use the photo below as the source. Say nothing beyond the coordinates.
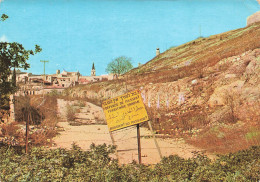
(218, 114)
(230, 76)
(218, 97)
(253, 66)
(193, 82)
(253, 18)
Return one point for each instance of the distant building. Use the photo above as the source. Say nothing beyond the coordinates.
(34, 84)
(93, 70)
(20, 76)
(157, 52)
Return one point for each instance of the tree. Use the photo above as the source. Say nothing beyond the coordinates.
(3, 17)
(119, 65)
(12, 55)
(14, 78)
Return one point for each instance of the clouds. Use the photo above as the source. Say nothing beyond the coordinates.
(3, 38)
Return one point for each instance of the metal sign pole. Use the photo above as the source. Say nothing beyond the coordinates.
(124, 111)
(113, 142)
(139, 144)
(155, 141)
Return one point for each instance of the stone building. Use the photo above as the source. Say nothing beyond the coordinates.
(93, 70)
(37, 84)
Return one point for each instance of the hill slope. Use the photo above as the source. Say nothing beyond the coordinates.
(206, 90)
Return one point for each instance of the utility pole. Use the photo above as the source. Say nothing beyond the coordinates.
(43, 61)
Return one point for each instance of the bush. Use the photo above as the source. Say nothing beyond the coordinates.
(24, 110)
(80, 103)
(97, 165)
(10, 133)
(54, 93)
(70, 113)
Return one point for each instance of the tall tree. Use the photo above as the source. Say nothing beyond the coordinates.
(14, 78)
(12, 55)
(119, 65)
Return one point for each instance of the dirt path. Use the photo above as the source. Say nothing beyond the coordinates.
(125, 139)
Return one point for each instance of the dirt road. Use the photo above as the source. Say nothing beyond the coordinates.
(125, 139)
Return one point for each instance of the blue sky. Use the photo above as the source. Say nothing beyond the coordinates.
(74, 34)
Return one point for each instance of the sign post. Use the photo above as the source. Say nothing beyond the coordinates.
(139, 144)
(126, 110)
(155, 141)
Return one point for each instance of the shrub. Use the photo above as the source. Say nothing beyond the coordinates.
(70, 113)
(9, 129)
(24, 110)
(97, 165)
(80, 103)
(10, 133)
(54, 93)
(42, 136)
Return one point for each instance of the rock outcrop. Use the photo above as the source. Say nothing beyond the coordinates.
(253, 18)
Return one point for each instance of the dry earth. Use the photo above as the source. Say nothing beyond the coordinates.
(125, 139)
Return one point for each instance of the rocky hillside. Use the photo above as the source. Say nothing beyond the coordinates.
(253, 18)
(207, 90)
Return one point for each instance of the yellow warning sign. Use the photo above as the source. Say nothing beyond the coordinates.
(125, 110)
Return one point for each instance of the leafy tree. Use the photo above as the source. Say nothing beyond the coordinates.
(119, 65)
(12, 55)
(14, 78)
(4, 17)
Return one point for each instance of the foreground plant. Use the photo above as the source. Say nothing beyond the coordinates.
(98, 165)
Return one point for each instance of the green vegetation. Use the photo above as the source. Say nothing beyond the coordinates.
(54, 93)
(13, 55)
(97, 165)
(14, 78)
(119, 65)
(3, 17)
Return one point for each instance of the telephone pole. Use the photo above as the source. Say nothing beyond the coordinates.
(43, 61)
